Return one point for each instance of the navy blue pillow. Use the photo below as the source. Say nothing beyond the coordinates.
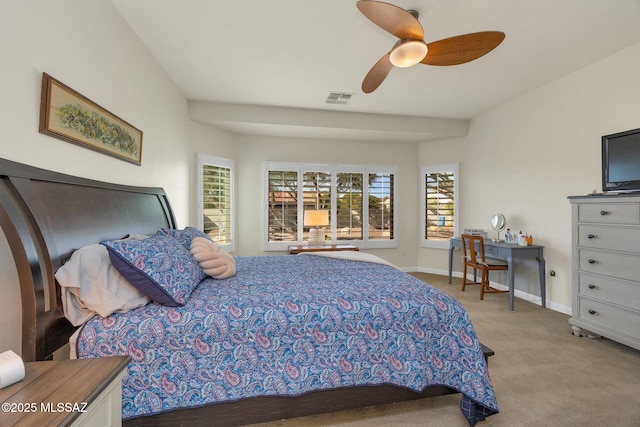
(184, 236)
(160, 267)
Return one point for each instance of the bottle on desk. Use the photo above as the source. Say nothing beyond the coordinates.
(522, 239)
(508, 237)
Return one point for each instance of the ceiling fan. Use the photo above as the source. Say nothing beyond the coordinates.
(411, 49)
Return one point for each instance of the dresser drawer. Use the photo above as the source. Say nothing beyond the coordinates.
(626, 239)
(613, 318)
(623, 293)
(609, 213)
(623, 266)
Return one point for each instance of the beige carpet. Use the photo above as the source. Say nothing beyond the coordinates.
(541, 373)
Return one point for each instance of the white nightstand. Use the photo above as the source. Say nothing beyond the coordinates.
(86, 392)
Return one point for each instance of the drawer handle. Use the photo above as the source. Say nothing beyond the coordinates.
(592, 311)
(591, 236)
(591, 286)
(604, 212)
(591, 261)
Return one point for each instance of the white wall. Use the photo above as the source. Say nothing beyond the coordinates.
(88, 46)
(525, 157)
(253, 151)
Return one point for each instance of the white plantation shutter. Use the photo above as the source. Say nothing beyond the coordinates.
(350, 214)
(381, 206)
(216, 199)
(282, 196)
(360, 212)
(439, 204)
(316, 194)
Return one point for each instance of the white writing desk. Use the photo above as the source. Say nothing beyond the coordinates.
(508, 252)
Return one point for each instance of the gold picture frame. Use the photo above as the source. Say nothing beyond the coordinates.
(67, 115)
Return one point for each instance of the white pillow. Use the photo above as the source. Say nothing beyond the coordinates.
(90, 285)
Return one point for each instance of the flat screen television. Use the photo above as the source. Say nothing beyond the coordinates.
(621, 161)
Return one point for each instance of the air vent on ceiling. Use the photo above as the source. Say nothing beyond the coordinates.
(339, 98)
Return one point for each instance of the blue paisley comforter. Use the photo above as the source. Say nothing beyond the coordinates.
(288, 325)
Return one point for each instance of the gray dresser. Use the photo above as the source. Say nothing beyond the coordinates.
(606, 267)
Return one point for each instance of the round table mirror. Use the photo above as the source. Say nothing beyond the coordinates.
(498, 223)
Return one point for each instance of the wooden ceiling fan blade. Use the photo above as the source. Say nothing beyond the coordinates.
(377, 74)
(461, 49)
(392, 18)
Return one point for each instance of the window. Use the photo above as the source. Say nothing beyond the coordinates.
(216, 199)
(316, 195)
(282, 196)
(360, 201)
(439, 204)
(350, 210)
(381, 206)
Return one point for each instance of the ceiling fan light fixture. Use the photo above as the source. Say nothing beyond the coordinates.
(408, 52)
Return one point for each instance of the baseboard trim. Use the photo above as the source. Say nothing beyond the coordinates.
(518, 293)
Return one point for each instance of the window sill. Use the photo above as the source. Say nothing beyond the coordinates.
(435, 244)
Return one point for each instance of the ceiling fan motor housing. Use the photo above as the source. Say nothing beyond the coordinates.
(408, 52)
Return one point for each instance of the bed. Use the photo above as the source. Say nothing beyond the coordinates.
(286, 336)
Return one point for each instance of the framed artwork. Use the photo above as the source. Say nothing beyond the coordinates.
(68, 115)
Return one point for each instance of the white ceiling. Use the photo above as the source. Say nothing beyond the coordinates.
(277, 55)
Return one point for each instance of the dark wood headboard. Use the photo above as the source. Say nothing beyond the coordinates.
(46, 216)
